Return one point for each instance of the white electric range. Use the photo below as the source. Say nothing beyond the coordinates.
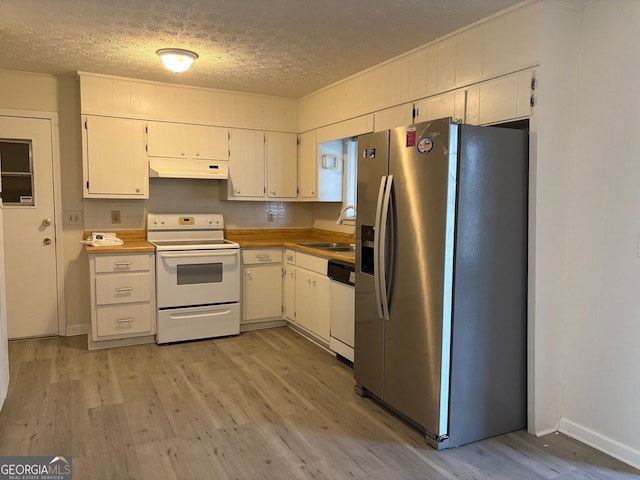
(197, 277)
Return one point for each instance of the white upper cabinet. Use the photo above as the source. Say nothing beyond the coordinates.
(208, 143)
(179, 140)
(171, 103)
(281, 152)
(308, 166)
(144, 100)
(398, 73)
(130, 98)
(450, 104)
(446, 72)
(167, 140)
(114, 169)
(512, 42)
(469, 57)
(261, 165)
(418, 68)
(501, 99)
(107, 96)
(393, 117)
(246, 165)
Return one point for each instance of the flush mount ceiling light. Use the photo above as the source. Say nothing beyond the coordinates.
(177, 59)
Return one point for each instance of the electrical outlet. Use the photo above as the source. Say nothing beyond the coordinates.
(270, 216)
(115, 216)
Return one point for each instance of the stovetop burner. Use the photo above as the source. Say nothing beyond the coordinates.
(200, 231)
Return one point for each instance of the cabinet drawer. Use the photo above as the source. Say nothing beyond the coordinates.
(271, 255)
(123, 288)
(122, 263)
(311, 262)
(290, 257)
(125, 320)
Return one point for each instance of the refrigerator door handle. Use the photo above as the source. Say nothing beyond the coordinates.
(382, 250)
(376, 246)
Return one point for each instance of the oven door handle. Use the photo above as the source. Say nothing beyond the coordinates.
(197, 254)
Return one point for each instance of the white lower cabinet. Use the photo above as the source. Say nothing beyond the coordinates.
(122, 296)
(261, 285)
(289, 286)
(312, 295)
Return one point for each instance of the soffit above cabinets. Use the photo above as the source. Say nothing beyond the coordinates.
(281, 48)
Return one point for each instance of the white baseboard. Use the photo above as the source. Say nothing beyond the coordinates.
(542, 433)
(600, 442)
(82, 329)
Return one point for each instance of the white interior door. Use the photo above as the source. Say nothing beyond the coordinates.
(26, 162)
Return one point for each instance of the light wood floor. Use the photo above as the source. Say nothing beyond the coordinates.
(266, 404)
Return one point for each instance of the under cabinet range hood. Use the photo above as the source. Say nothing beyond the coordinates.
(188, 168)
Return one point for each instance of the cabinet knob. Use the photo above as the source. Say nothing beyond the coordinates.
(273, 192)
(197, 154)
(313, 193)
(182, 153)
(237, 192)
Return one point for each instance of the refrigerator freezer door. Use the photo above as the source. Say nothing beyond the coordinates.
(423, 161)
(488, 355)
(373, 165)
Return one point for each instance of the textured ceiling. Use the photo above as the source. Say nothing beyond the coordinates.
(276, 47)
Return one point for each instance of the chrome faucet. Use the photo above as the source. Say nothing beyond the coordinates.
(344, 211)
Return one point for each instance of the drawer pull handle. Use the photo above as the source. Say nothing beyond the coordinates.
(123, 264)
(125, 320)
(124, 289)
(263, 257)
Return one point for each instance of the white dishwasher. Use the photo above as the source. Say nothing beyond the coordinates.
(342, 307)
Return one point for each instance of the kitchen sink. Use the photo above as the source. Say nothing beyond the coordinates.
(331, 246)
(346, 248)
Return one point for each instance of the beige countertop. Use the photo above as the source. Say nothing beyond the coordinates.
(135, 241)
(292, 238)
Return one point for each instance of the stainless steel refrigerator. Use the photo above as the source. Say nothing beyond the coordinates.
(441, 277)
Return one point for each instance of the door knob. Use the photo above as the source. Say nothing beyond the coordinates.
(46, 222)
(47, 241)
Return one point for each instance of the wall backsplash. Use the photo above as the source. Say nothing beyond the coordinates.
(197, 196)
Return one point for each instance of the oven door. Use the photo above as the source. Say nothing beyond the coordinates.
(197, 277)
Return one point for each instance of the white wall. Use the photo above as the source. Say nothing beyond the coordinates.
(4, 346)
(600, 299)
(48, 93)
(553, 148)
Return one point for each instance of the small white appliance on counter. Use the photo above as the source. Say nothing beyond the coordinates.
(197, 277)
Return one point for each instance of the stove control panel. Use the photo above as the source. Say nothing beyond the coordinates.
(198, 221)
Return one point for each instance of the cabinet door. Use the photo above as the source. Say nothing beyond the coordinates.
(418, 65)
(261, 292)
(208, 143)
(115, 165)
(246, 163)
(398, 116)
(420, 110)
(281, 153)
(304, 298)
(450, 104)
(289, 294)
(308, 166)
(322, 312)
(312, 302)
(167, 139)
